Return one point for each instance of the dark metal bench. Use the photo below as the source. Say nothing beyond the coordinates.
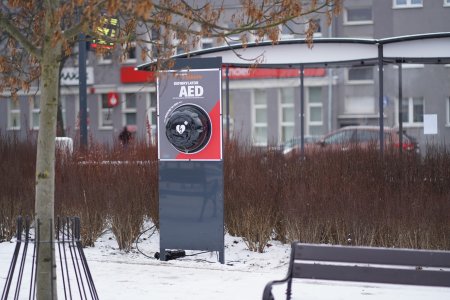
(365, 264)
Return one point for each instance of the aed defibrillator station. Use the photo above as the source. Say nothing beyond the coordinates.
(191, 207)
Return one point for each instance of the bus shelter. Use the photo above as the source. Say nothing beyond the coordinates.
(431, 48)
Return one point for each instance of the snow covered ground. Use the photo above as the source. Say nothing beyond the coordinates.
(137, 275)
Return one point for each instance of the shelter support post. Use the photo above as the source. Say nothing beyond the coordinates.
(82, 90)
(330, 99)
(227, 96)
(380, 96)
(400, 105)
(302, 111)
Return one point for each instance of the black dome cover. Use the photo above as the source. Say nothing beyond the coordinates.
(188, 128)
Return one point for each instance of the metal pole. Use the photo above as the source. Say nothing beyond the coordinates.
(330, 98)
(227, 95)
(302, 111)
(400, 105)
(330, 86)
(380, 96)
(82, 90)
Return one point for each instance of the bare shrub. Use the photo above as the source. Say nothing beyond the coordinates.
(361, 198)
(80, 191)
(126, 205)
(17, 169)
(143, 161)
(131, 190)
(355, 197)
(252, 183)
(109, 185)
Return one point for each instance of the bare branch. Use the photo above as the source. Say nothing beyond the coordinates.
(17, 35)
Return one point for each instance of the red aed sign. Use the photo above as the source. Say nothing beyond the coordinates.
(113, 99)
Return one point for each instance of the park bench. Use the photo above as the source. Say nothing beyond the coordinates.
(365, 264)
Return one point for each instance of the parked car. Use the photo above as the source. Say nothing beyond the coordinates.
(295, 143)
(363, 137)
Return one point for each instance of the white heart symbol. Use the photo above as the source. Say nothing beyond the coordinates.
(180, 128)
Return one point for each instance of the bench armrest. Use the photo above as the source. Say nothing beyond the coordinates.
(267, 293)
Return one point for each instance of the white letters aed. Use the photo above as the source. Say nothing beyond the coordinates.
(191, 91)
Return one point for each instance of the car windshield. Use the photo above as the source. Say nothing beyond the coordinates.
(341, 137)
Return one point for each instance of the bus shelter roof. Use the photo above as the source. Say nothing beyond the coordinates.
(430, 48)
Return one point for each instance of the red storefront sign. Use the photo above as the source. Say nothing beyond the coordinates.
(264, 73)
(130, 75)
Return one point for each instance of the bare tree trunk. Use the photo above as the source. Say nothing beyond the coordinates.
(45, 169)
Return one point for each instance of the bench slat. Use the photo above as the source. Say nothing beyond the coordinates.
(387, 256)
(371, 274)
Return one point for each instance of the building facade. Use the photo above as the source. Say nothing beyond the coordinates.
(264, 104)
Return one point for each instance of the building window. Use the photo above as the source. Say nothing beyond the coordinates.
(287, 30)
(105, 113)
(259, 132)
(315, 111)
(360, 75)
(412, 111)
(35, 112)
(407, 3)
(13, 114)
(317, 27)
(287, 112)
(446, 2)
(105, 58)
(359, 105)
(207, 43)
(358, 16)
(130, 53)
(129, 109)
